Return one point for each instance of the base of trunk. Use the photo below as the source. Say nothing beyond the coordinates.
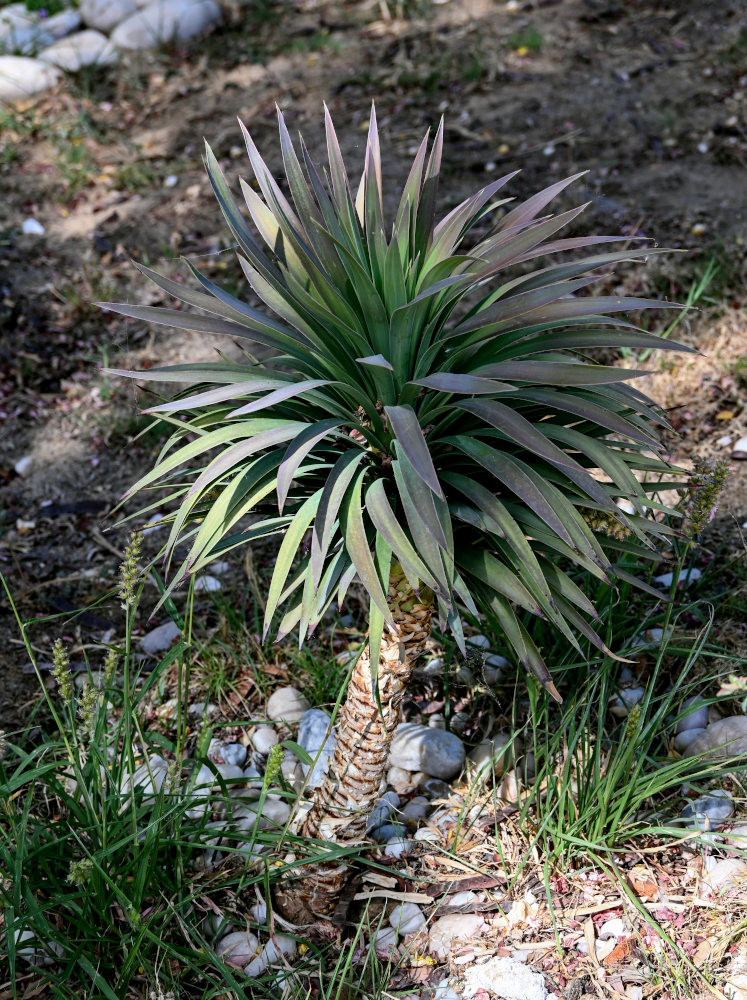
(364, 733)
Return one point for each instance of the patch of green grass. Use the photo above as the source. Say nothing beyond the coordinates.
(528, 39)
(135, 176)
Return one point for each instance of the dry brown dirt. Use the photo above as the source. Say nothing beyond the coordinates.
(648, 98)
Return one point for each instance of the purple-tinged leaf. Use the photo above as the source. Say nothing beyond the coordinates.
(560, 372)
(409, 434)
(220, 395)
(377, 361)
(280, 395)
(237, 453)
(531, 208)
(518, 430)
(297, 451)
(466, 385)
(338, 480)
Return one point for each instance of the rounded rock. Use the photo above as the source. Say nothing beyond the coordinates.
(436, 752)
(84, 48)
(238, 947)
(407, 918)
(287, 704)
(723, 739)
(683, 740)
(694, 715)
(385, 941)
(20, 78)
(496, 755)
(709, 811)
(264, 738)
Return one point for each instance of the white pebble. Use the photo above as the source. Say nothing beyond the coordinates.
(23, 465)
(32, 227)
(690, 576)
(170, 181)
(613, 928)
(407, 918)
(453, 927)
(506, 978)
(385, 941)
(724, 441)
(287, 704)
(263, 738)
(239, 947)
(207, 584)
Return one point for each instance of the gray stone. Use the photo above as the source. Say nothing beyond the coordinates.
(407, 918)
(683, 740)
(709, 811)
(149, 777)
(721, 740)
(21, 77)
(724, 874)
(166, 22)
(106, 14)
(694, 715)
(625, 699)
(434, 751)
(385, 832)
(238, 948)
(740, 450)
(32, 227)
(204, 584)
(667, 579)
(230, 772)
(416, 811)
(385, 941)
(29, 949)
(315, 738)
(615, 927)
(200, 793)
(275, 813)
(382, 811)
(287, 704)
(396, 847)
(159, 639)
(497, 755)
(507, 978)
(434, 788)
(85, 48)
(64, 23)
(22, 31)
(234, 754)
(263, 738)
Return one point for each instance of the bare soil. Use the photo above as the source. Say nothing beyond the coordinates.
(648, 98)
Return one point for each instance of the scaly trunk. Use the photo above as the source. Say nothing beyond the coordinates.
(364, 733)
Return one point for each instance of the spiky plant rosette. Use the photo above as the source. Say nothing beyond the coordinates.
(423, 399)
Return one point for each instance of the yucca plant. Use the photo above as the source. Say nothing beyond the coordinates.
(421, 420)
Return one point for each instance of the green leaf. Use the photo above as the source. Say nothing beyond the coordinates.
(357, 546)
(387, 525)
(297, 451)
(410, 438)
(462, 384)
(288, 551)
(335, 489)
